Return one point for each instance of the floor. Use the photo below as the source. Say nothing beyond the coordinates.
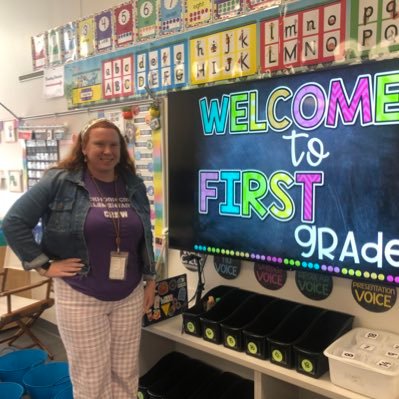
(47, 332)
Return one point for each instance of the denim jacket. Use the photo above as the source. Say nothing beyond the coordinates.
(61, 200)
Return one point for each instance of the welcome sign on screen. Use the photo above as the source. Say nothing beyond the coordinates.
(300, 171)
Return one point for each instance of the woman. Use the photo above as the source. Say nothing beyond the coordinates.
(97, 245)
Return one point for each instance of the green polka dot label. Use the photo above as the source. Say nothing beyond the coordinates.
(209, 333)
(231, 341)
(277, 356)
(252, 348)
(307, 365)
(190, 327)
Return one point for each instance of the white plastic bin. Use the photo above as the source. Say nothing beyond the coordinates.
(366, 361)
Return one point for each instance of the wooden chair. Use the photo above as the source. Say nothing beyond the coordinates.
(20, 313)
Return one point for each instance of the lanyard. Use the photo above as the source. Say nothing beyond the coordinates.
(117, 223)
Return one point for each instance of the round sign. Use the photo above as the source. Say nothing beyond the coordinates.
(313, 285)
(270, 277)
(376, 298)
(228, 268)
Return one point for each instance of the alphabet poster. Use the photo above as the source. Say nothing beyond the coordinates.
(99, 79)
(307, 37)
(374, 27)
(223, 55)
(117, 77)
(161, 69)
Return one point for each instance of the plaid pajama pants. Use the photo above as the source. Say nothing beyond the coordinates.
(102, 340)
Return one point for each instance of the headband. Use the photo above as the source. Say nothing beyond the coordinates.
(91, 123)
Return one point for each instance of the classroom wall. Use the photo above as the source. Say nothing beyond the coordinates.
(25, 98)
(340, 299)
(21, 20)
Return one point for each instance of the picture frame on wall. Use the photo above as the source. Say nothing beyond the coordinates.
(3, 180)
(15, 181)
(9, 132)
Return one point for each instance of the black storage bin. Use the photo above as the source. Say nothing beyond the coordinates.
(233, 325)
(216, 386)
(309, 356)
(210, 321)
(255, 334)
(174, 378)
(284, 337)
(244, 389)
(191, 317)
(193, 380)
(162, 368)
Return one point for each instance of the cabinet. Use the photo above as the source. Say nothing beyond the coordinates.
(271, 381)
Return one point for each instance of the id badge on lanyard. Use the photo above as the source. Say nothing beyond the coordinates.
(118, 265)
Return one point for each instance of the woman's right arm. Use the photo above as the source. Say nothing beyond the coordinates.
(23, 216)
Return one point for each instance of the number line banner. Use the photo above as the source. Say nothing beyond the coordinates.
(103, 30)
(171, 16)
(124, 25)
(147, 19)
(86, 37)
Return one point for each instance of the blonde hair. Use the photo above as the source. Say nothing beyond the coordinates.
(76, 159)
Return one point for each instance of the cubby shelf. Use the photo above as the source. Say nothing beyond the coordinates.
(271, 381)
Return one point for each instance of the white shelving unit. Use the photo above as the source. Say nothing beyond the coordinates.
(271, 381)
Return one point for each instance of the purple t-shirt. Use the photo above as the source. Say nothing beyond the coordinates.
(100, 237)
